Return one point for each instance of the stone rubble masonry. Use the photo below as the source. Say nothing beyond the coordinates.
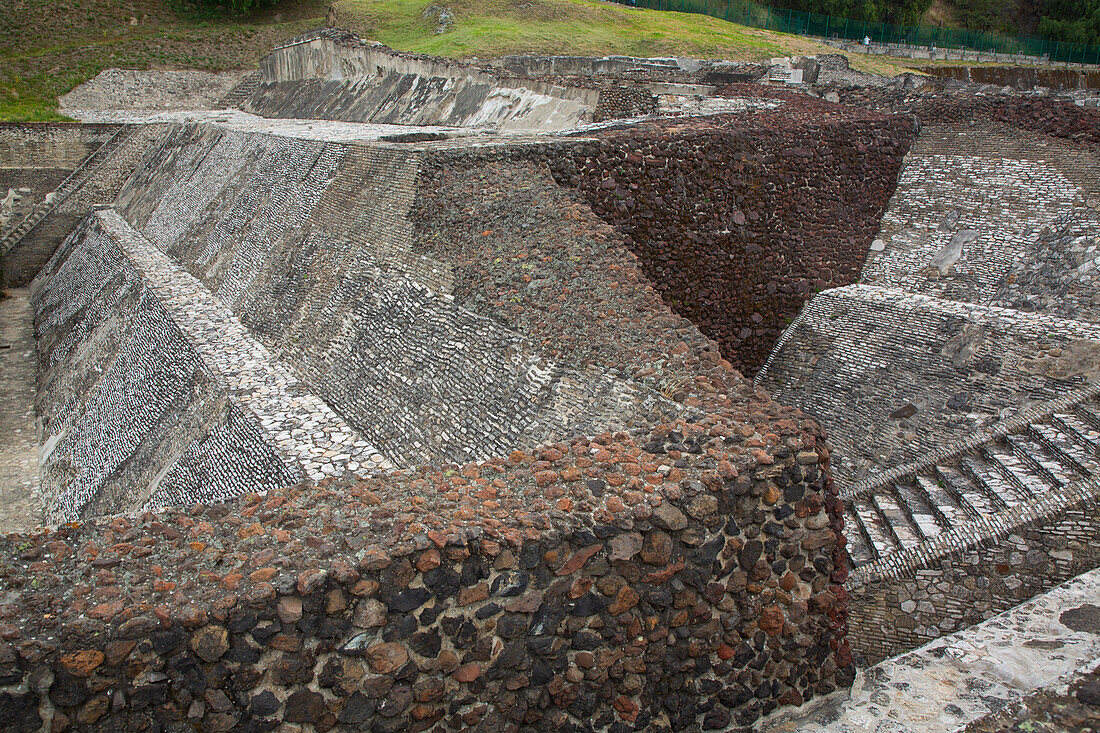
(951, 682)
(275, 432)
(739, 221)
(686, 576)
(338, 297)
(923, 599)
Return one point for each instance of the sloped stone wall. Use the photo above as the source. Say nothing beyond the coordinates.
(259, 219)
(738, 222)
(331, 74)
(131, 415)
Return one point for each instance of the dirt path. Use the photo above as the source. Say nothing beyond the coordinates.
(18, 435)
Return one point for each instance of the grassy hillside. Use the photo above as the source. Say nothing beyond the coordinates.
(49, 46)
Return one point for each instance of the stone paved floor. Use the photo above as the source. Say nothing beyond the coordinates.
(18, 434)
(951, 682)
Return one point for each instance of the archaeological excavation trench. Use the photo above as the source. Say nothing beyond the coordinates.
(401, 394)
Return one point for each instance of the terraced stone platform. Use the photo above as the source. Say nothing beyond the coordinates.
(959, 380)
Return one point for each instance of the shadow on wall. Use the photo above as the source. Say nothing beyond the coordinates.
(737, 228)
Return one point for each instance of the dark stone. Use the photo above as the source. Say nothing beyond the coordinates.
(1089, 693)
(585, 639)
(750, 553)
(1082, 618)
(408, 599)
(511, 626)
(166, 641)
(359, 709)
(511, 583)
(958, 401)
(396, 702)
(589, 604)
(67, 691)
(906, 410)
(442, 581)
(304, 706)
(19, 711)
(488, 610)
(426, 644)
(265, 632)
(149, 695)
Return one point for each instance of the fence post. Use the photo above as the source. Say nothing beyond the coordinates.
(728, 9)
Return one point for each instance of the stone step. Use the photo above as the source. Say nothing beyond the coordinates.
(970, 497)
(993, 483)
(1043, 460)
(941, 501)
(874, 525)
(1064, 447)
(897, 521)
(1085, 435)
(1028, 482)
(859, 547)
(1090, 413)
(66, 187)
(925, 517)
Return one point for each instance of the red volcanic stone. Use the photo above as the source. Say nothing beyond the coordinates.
(626, 599)
(579, 558)
(311, 580)
(467, 672)
(387, 657)
(545, 478)
(84, 662)
(771, 620)
(627, 709)
(428, 560)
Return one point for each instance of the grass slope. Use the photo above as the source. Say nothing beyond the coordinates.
(49, 46)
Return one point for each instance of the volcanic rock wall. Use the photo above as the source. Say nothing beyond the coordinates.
(675, 579)
(739, 222)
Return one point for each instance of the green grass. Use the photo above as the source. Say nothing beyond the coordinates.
(47, 47)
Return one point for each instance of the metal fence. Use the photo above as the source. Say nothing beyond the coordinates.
(825, 26)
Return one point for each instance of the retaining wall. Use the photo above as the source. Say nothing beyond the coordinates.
(35, 158)
(739, 222)
(535, 591)
(130, 414)
(965, 587)
(333, 75)
(263, 222)
(97, 185)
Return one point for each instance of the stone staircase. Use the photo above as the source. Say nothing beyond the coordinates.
(983, 490)
(11, 238)
(239, 93)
